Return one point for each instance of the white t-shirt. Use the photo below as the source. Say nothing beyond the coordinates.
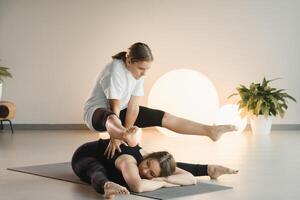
(114, 82)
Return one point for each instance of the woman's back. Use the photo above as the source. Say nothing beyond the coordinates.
(96, 150)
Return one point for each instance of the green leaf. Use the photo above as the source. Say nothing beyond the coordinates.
(258, 106)
(273, 80)
(4, 73)
(278, 91)
(234, 94)
(292, 98)
(274, 101)
(266, 112)
(285, 106)
(281, 112)
(264, 82)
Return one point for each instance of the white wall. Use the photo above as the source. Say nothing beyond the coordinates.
(55, 48)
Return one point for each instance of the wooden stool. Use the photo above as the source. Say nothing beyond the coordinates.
(7, 112)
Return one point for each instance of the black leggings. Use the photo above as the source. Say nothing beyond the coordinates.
(91, 170)
(88, 166)
(147, 117)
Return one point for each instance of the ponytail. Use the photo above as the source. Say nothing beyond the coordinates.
(121, 56)
(136, 52)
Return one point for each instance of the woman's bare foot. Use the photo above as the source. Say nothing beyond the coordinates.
(111, 189)
(132, 136)
(214, 171)
(217, 131)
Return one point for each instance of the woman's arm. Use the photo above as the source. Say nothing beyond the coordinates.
(132, 111)
(128, 166)
(181, 177)
(115, 106)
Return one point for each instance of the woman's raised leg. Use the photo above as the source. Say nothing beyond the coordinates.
(185, 126)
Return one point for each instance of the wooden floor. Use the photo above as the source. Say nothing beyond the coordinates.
(269, 165)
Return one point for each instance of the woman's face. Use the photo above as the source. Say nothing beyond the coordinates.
(138, 69)
(149, 168)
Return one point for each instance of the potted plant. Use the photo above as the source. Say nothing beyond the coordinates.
(3, 73)
(260, 102)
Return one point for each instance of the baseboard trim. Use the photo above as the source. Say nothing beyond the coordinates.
(275, 127)
(48, 127)
(280, 127)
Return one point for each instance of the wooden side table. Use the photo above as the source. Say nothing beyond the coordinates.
(7, 113)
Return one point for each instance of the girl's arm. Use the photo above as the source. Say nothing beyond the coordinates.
(180, 177)
(128, 166)
(132, 111)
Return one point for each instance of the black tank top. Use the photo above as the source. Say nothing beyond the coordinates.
(113, 173)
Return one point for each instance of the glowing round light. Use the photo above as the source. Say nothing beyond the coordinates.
(229, 114)
(187, 94)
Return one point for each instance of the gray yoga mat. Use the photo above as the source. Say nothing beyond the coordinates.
(59, 171)
(64, 172)
(181, 191)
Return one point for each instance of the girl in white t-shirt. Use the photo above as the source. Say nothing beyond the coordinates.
(113, 104)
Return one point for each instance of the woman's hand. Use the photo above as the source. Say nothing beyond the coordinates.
(113, 146)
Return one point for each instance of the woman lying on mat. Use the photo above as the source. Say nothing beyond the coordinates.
(134, 169)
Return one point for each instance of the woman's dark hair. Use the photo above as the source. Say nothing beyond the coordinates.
(166, 161)
(136, 52)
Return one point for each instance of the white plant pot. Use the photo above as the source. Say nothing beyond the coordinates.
(261, 124)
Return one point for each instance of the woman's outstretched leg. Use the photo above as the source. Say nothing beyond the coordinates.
(149, 117)
(213, 171)
(195, 169)
(185, 126)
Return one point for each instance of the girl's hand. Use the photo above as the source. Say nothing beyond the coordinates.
(113, 146)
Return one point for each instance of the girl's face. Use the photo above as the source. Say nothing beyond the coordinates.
(138, 69)
(149, 168)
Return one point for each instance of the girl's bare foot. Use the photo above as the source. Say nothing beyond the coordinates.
(132, 136)
(217, 131)
(214, 171)
(111, 189)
